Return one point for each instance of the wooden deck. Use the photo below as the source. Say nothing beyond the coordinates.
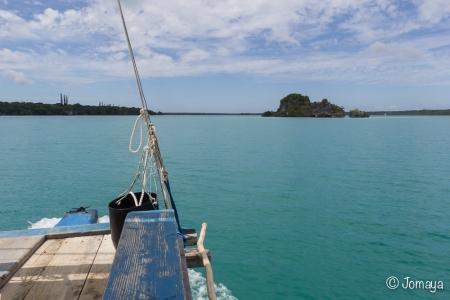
(65, 263)
(68, 268)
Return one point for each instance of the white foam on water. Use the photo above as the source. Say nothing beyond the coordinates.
(104, 219)
(44, 223)
(198, 288)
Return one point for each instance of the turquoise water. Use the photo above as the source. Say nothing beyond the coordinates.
(296, 208)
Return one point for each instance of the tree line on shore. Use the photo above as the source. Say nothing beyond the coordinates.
(41, 109)
(423, 112)
(356, 113)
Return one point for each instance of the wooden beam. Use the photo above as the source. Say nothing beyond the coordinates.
(184, 270)
(207, 264)
(82, 230)
(188, 230)
(75, 231)
(194, 257)
(191, 239)
(14, 252)
(61, 232)
(148, 263)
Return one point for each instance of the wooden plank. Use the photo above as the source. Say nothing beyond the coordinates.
(23, 280)
(184, 271)
(147, 264)
(187, 230)
(61, 232)
(98, 275)
(65, 274)
(190, 234)
(82, 230)
(191, 239)
(194, 257)
(14, 252)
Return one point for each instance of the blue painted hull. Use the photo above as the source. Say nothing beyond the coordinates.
(88, 216)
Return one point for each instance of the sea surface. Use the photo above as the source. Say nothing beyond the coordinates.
(297, 208)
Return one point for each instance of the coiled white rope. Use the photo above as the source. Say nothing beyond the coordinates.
(146, 168)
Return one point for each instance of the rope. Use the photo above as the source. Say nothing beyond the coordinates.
(152, 141)
(142, 113)
(151, 149)
(145, 170)
(134, 197)
(136, 73)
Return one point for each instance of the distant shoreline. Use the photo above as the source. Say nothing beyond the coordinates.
(65, 109)
(210, 114)
(423, 112)
(40, 109)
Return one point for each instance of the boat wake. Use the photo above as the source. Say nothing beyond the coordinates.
(104, 219)
(44, 223)
(198, 288)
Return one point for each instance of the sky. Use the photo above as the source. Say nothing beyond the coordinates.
(229, 56)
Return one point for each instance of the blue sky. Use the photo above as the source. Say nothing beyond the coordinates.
(228, 55)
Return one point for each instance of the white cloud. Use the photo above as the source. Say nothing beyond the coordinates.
(195, 55)
(434, 11)
(33, 2)
(18, 77)
(76, 83)
(304, 39)
(394, 49)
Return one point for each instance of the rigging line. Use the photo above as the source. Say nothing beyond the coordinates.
(136, 73)
(151, 131)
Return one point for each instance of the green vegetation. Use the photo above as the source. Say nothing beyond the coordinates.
(298, 105)
(356, 113)
(30, 108)
(294, 105)
(268, 114)
(423, 112)
(338, 111)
